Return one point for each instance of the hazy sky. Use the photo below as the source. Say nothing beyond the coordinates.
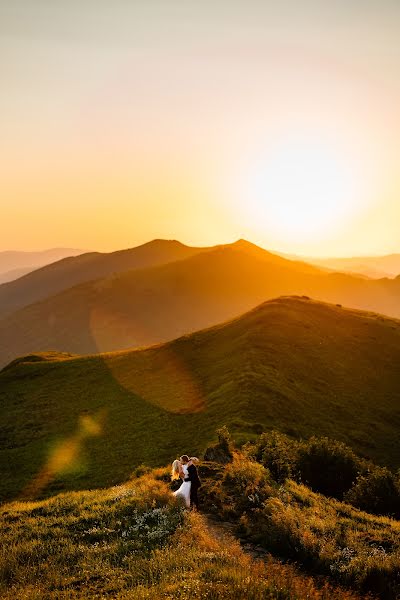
(126, 120)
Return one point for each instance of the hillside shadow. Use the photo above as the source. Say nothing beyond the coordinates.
(95, 428)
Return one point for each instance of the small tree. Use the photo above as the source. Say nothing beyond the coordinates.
(221, 452)
(224, 438)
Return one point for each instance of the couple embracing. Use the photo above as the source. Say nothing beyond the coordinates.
(185, 469)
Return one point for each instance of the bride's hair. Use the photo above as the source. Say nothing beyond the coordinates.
(175, 470)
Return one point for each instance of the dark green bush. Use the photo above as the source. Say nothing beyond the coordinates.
(140, 471)
(377, 491)
(279, 454)
(327, 466)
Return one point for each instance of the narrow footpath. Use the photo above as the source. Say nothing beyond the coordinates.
(221, 529)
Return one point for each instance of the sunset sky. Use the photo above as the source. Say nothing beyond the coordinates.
(127, 120)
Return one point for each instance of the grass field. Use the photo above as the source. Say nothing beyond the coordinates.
(133, 541)
(292, 364)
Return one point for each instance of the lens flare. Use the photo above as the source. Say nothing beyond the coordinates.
(66, 455)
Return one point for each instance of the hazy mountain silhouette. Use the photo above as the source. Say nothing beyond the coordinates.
(68, 272)
(146, 306)
(294, 364)
(15, 274)
(14, 264)
(371, 266)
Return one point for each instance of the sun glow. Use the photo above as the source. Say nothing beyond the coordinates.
(301, 189)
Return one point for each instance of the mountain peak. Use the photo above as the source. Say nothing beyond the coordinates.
(242, 243)
(164, 242)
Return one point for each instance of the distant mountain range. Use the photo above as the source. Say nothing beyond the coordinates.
(294, 364)
(73, 270)
(370, 266)
(15, 274)
(14, 264)
(137, 301)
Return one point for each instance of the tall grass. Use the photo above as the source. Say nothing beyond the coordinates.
(134, 542)
(322, 534)
(82, 540)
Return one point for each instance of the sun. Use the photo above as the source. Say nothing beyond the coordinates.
(300, 188)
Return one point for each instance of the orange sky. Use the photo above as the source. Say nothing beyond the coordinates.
(204, 122)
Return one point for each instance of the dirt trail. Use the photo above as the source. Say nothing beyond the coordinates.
(220, 529)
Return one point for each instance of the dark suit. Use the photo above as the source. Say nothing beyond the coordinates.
(193, 477)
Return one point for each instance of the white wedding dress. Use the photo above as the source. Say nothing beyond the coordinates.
(184, 490)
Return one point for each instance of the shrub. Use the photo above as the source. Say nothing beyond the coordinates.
(376, 491)
(327, 466)
(140, 470)
(278, 453)
(245, 486)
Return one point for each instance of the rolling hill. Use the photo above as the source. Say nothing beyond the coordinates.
(293, 364)
(65, 273)
(146, 306)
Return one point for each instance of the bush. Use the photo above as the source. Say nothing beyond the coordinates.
(279, 454)
(327, 466)
(140, 471)
(245, 486)
(377, 492)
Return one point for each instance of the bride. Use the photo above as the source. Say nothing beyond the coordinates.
(180, 471)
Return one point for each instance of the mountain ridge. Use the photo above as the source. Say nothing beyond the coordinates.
(292, 364)
(376, 267)
(69, 271)
(147, 305)
(16, 263)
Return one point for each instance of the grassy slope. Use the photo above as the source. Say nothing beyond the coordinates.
(133, 542)
(292, 364)
(147, 306)
(321, 534)
(67, 272)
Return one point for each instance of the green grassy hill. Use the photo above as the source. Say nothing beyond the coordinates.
(293, 364)
(147, 306)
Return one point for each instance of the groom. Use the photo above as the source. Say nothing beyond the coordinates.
(193, 477)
